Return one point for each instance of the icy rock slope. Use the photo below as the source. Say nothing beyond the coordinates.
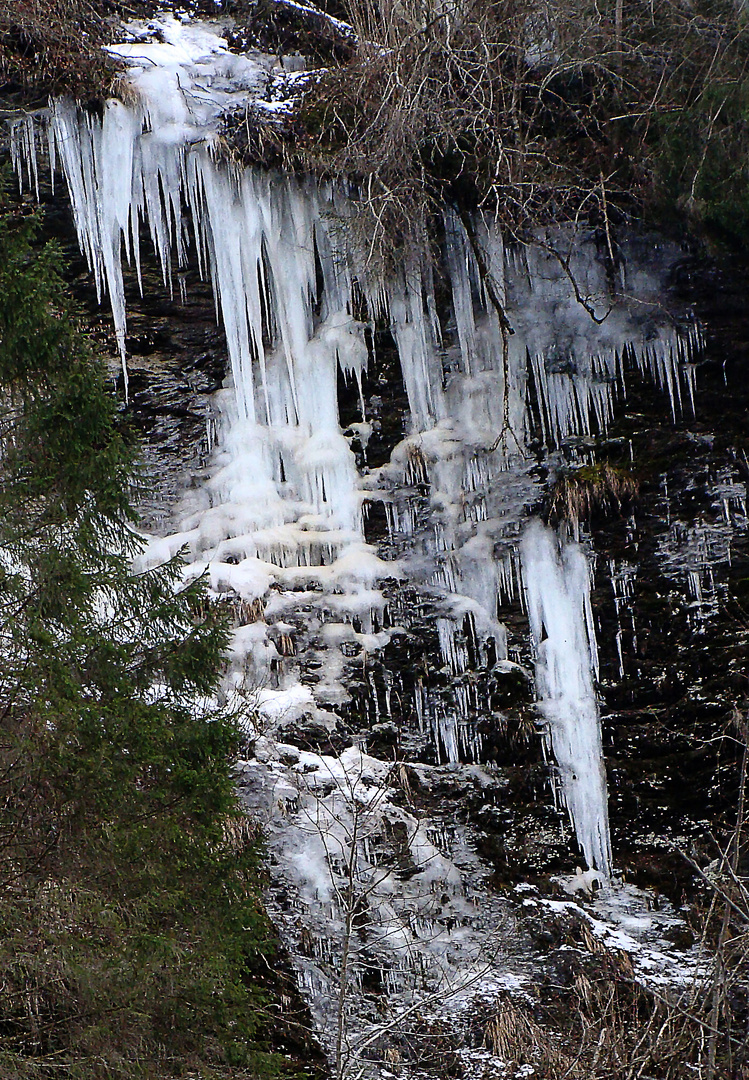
(514, 354)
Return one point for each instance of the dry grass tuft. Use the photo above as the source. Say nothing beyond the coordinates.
(512, 1035)
(595, 489)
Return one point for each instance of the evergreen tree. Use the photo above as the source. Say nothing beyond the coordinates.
(129, 915)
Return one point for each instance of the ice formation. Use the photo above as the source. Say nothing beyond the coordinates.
(535, 340)
(526, 355)
(406, 904)
(696, 551)
(557, 583)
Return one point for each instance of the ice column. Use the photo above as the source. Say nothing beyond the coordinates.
(557, 584)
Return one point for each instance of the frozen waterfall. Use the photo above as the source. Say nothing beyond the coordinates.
(279, 521)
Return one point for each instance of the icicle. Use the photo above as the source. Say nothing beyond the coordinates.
(557, 587)
(415, 333)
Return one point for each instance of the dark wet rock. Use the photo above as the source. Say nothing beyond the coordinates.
(309, 733)
(382, 738)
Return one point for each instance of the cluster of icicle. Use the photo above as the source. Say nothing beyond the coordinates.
(297, 300)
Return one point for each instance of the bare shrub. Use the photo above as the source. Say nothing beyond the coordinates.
(532, 111)
(55, 46)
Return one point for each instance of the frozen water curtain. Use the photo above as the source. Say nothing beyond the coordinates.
(528, 344)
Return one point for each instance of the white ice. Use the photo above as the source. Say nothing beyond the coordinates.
(557, 585)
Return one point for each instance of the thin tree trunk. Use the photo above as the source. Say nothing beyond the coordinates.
(619, 30)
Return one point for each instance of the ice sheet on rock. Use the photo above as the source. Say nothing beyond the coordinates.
(580, 332)
(697, 552)
(623, 576)
(284, 706)
(623, 918)
(426, 927)
(455, 507)
(192, 56)
(557, 584)
(468, 395)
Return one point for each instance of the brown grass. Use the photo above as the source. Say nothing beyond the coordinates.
(595, 489)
